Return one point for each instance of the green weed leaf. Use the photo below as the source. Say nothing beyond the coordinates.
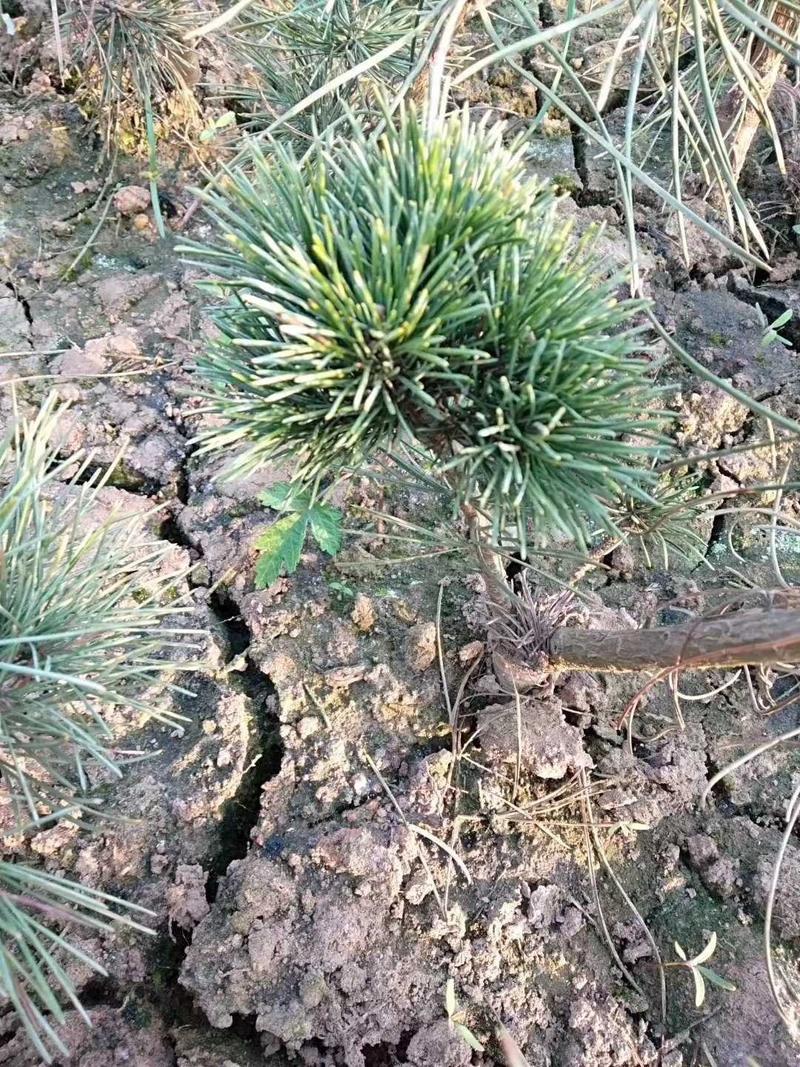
(283, 496)
(699, 987)
(717, 979)
(708, 951)
(228, 118)
(326, 526)
(467, 1035)
(280, 547)
(281, 544)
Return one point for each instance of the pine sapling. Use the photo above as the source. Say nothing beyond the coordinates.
(134, 56)
(417, 286)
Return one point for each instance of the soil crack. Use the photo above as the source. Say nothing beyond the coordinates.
(240, 813)
(22, 301)
(265, 752)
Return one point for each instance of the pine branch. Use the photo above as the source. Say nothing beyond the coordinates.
(738, 639)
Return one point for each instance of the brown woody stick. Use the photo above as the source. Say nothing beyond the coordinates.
(734, 640)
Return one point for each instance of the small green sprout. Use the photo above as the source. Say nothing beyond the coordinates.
(341, 591)
(281, 544)
(456, 1017)
(222, 122)
(771, 335)
(700, 973)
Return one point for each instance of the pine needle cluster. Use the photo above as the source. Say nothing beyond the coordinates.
(82, 630)
(294, 49)
(135, 52)
(418, 284)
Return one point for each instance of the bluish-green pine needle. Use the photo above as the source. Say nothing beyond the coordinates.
(418, 283)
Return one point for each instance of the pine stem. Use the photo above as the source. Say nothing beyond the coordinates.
(490, 562)
(734, 640)
(767, 63)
